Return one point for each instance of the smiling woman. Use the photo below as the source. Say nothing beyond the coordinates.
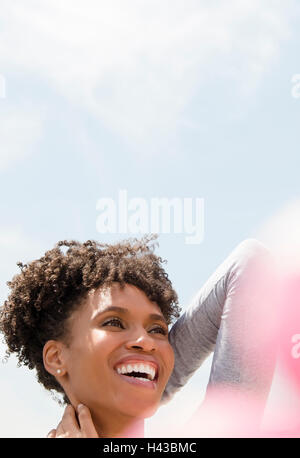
(119, 358)
(93, 321)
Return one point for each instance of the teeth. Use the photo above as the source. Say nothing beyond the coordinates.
(137, 367)
(153, 373)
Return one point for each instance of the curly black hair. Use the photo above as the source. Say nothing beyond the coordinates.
(47, 290)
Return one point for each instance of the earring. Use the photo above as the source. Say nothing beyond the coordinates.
(58, 371)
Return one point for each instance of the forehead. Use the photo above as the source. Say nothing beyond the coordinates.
(129, 297)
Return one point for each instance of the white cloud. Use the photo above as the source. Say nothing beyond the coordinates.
(137, 64)
(20, 130)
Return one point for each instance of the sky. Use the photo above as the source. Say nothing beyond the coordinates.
(195, 100)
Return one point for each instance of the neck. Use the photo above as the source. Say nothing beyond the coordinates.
(118, 427)
(110, 424)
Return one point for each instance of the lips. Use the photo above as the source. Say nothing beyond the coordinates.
(138, 382)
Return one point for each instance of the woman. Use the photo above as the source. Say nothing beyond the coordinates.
(93, 321)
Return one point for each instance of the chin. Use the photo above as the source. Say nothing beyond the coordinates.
(141, 410)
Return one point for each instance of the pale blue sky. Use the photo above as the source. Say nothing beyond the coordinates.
(163, 99)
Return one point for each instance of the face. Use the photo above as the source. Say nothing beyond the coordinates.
(117, 332)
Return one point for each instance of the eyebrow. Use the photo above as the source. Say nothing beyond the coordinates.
(124, 311)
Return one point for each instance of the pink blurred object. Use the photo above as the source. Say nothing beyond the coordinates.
(289, 329)
(226, 413)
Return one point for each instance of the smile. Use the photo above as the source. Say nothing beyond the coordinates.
(141, 374)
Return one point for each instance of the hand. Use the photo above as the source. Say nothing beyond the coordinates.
(69, 427)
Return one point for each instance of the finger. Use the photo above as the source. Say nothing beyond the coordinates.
(69, 422)
(59, 430)
(51, 434)
(85, 421)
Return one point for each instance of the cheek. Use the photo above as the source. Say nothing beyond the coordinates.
(85, 356)
(94, 354)
(169, 358)
(87, 373)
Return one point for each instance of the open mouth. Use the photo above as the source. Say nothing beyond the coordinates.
(138, 374)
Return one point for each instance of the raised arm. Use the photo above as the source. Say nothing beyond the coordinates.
(232, 315)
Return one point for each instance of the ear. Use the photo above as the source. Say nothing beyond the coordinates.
(53, 358)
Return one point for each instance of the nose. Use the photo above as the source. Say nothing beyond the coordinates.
(140, 339)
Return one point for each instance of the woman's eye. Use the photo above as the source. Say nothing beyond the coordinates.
(160, 330)
(118, 323)
(113, 322)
